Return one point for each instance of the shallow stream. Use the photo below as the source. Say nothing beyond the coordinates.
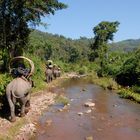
(112, 118)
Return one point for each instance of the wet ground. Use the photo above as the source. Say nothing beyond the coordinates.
(112, 118)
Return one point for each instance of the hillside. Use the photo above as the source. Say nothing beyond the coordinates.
(61, 43)
(58, 47)
(126, 45)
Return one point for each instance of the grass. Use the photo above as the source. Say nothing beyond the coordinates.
(62, 99)
(109, 83)
(104, 82)
(129, 94)
(13, 130)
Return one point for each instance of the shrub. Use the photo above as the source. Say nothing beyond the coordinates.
(83, 70)
(129, 74)
(136, 88)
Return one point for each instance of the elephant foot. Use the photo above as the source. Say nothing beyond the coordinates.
(22, 114)
(12, 119)
(27, 110)
(27, 104)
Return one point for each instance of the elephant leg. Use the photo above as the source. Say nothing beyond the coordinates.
(12, 109)
(27, 106)
(47, 79)
(50, 79)
(22, 110)
(54, 75)
(23, 103)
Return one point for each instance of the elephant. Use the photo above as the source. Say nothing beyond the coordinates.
(49, 74)
(56, 72)
(18, 90)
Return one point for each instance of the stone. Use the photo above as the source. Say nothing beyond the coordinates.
(88, 111)
(89, 104)
(49, 122)
(89, 138)
(80, 113)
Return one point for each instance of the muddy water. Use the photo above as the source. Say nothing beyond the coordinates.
(111, 118)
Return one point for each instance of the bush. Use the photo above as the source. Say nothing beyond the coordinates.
(129, 73)
(4, 80)
(136, 88)
(83, 70)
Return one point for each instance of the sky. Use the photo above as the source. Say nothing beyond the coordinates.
(81, 16)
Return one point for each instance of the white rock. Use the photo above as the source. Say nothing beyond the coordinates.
(88, 111)
(89, 138)
(80, 113)
(89, 104)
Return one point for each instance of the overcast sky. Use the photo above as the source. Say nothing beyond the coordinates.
(82, 16)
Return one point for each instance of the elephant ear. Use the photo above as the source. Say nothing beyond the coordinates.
(30, 62)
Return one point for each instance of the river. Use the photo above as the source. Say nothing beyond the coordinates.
(112, 118)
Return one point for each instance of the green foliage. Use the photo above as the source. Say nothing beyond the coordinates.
(62, 100)
(105, 82)
(129, 94)
(39, 73)
(136, 88)
(73, 55)
(112, 64)
(103, 33)
(48, 51)
(4, 80)
(126, 45)
(83, 70)
(60, 48)
(92, 55)
(129, 73)
(15, 17)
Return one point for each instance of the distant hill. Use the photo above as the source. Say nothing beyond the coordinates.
(82, 44)
(60, 47)
(126, 45)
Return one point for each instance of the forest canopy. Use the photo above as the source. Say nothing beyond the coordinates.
(14, 19)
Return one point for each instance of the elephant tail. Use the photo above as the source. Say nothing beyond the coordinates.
(13, 94)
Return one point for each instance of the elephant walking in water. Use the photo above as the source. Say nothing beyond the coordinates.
(19, 90)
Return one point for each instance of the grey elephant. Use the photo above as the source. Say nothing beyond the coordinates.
(49, 74)
(19, 90)
(56, 71)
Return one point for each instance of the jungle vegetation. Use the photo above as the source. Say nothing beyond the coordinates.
(15, 19)
(119, 61)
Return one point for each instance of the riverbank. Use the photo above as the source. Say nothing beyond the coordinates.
(91, 113)
(109, 83)
(25, 127)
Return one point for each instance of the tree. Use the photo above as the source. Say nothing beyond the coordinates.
(104, 32)
(15, 16)
(73, 55)
(48, 51)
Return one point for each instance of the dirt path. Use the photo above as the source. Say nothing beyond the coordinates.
(24, 127)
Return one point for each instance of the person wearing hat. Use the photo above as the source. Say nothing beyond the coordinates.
(49, 64)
